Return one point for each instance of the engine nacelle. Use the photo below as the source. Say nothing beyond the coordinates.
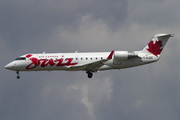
(124, 55)
(121, 55)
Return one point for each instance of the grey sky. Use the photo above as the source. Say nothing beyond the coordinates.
(146, 92)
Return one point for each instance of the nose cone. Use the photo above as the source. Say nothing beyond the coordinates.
(9, 66)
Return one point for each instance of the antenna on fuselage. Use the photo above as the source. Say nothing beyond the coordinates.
(44, 52)
(76, 51)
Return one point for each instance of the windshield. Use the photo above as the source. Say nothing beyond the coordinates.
(21, 58)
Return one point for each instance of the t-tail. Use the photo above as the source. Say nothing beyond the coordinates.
(156, 45)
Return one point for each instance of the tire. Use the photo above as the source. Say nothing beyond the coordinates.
(90, 75)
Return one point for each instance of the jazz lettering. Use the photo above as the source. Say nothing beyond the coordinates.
(45, 62)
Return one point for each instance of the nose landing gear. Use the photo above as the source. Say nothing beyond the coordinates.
(17, 72)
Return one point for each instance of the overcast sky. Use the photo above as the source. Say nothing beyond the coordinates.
(149, 92)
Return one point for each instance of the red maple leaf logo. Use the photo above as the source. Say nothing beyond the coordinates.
(155, 48)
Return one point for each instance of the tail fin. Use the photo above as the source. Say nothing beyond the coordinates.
(157, 43)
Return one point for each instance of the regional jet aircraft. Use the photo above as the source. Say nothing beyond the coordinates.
(90, 62)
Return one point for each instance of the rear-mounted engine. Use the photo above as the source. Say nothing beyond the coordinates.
(124, 55)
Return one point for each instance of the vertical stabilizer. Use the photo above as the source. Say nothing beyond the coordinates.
(156, 45)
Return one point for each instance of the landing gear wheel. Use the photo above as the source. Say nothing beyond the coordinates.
(90, 75)
(18, 77)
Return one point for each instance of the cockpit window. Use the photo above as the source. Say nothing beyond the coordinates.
(21, 58)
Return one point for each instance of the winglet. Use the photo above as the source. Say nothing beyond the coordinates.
(110, 55)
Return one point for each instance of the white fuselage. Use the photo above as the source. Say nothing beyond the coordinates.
(65, 61)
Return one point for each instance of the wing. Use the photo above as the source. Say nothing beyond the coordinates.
(94, 66)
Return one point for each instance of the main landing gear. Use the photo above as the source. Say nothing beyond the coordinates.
(89, 74)
(17, 72)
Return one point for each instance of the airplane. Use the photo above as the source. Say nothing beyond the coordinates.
(90, 62)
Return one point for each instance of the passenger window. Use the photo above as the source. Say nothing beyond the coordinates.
(96, 58)
(76, 58)
(101, 58)
(81, 58)
(91, 58)
(86, 58)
